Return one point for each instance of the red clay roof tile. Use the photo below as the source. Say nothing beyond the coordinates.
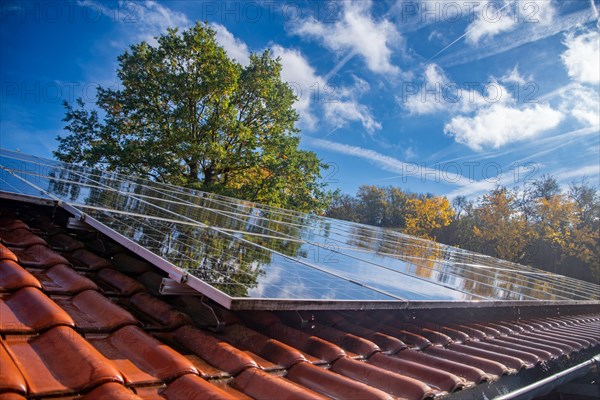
(92, 312)
(157, 312)
(7, 254)
(141, 358)
(30, 310)
(11, 396)
(263, 386)
(193, 387)
(61, 279)
(103, 247)
(388, 381)
(507, 360)
(20, 238)
(9, 224)
(528, 358)
(120, 283)
(217, 352)
(130, 265)
(11, 379)
(59, 361)
(490, 367)
(111, 390)
(64, 242)
(85, 259)
(14, 277)
(39, 256)
(433, 377)
(469, 373)
(331, 384)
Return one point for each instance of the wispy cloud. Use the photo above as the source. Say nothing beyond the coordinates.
(387, 163)
(143, 20)
(339, 105)
(357, 32)
(524, 34)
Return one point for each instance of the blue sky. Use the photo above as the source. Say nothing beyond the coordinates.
(447, 97)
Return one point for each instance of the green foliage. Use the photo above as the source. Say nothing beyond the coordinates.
(187, 114)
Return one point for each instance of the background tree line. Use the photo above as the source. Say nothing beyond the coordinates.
(538, 224)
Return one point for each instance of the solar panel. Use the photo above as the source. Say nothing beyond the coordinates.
(247, 255)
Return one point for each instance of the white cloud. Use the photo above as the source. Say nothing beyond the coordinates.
(301, 76)
(144, 20)
(340, 112)
(357, 32)
(340, 105)
(235, 48)
(513, 76)
(582, 57)
(583, 103)
(493, 17)
(437, 93)
(499, 124)
(490, 119)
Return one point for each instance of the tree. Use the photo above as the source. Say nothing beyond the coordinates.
(501, 230)
(427, 214)
(186, 114)
(372, 204)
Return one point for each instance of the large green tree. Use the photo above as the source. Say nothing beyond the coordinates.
(186, 114)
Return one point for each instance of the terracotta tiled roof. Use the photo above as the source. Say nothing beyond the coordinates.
(77, 320)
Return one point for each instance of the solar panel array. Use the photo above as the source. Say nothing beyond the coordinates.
(233, 250)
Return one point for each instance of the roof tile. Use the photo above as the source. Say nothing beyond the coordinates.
(217, 352)
(29, 310)
(14, 277)
(7, 254)
(270, 349)
(156, 312)
(141, 358)
(331, 384)
(61, 279)
(11, 378)
(388, 381)
(436, 378)
(59, 361)
(9, 224)
(103, 247)
(111, 390)
(39, 256)
(85, 259)
(11, 396)
(511, 362)
(20, 238)
(92, 312)
(130, 265)
(528, 358)
(469, 373)
(193, 387)
(119, 283)
(263, 386)
(64, 242)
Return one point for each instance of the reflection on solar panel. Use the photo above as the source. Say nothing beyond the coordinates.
(247, 255)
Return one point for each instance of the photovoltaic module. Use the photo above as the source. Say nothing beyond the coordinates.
(245, 255)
